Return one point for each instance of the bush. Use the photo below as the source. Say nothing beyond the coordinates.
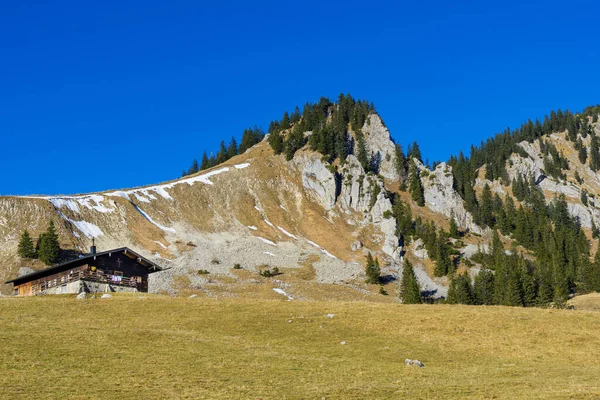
(383, 291)
(387, 214)
(203, 272)
(269, 273)
(237, 266)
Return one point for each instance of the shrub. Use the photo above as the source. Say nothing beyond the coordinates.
(203, 272)
(269, 273)
(237, 266)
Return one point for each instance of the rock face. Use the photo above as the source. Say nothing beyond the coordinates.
(321, 181)
(441, 197)
(379, 142)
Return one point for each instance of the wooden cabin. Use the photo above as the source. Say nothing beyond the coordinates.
(119, 270)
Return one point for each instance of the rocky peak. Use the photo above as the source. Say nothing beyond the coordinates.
(379, 142)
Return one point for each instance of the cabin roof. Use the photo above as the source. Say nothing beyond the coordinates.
(152, 267)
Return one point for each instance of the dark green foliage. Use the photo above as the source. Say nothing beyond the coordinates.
(595, 153)
(361, 153)
(26, 249)
(232, 149)
(372, 270)
(204, 165)
(486, 212)
(49, 248)
(483, 289)
(460, 290)
(193, 168)
(401, 164)
(250, 137)
(415, 185)
(410, 292)
(222, 154)
(294, 142)
(414, 152)
(276, 141)
(269, 273)
(454, 233)
(203, 272)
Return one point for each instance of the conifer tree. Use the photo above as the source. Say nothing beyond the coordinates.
(416, 187)
(454, 233)
(276, 142)
(414, 152)
(460, 291)
(204, 164)
(232, 149)
(487, 207)
(193, 168)
(222, 154)
(372, 269)
(361, 153)
(285, 121)
(410, 292)
(483, 289)
(49, 247)
(26, 249)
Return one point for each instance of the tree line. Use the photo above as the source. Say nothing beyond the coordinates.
(250, 137)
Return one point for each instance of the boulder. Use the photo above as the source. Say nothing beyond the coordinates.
(413, 363)
(356, 245)
(106, 296)
(82, 296)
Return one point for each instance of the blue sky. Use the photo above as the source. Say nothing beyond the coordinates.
(118, 94)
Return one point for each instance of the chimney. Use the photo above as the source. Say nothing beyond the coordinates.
(93, 248)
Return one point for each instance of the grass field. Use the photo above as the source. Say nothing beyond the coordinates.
(162, 347)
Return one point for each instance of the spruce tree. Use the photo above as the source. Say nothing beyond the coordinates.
(460, 291)
(49, 247)
(204, 164)
(483, 289)
(222, 154)
(361, 153)
(372, 270)
(416, 187)
(26, 249)
(276, 142)
(410, 292)
(232, 149)
(454, 233)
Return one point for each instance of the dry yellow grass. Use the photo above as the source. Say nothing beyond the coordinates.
(154, 346)
(587, 302)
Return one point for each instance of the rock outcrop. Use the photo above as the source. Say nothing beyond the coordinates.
(318, 179)
(441, 197)
(379, 142)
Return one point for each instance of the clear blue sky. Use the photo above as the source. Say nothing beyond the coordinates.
(99, 95)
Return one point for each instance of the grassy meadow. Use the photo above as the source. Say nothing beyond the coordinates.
(151, 346)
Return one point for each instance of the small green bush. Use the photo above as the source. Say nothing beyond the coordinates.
(203, 272)
(237, 266)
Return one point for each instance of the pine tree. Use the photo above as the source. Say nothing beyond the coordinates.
(285, 121)
(26, 249)
(416, 187)
(204, 164)
(454, 233)
(414, 152)
(410, 292)
(460, 291)
(361, 153)
(484, 287)
(487, 207)
(232, 149)
(372, 269)
(193, 168)
(222, 154)
(276, 142)
(49, 247)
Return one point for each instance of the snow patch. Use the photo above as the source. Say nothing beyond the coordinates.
(282, 207)
(252, 227)
(287, 233)
(161, 257)
(269, 253)
(280, 291)
(164, 228)
(242, 166)
(322, 249)
(267, 241)
(269, 223)
(161, 245)
(87, 228)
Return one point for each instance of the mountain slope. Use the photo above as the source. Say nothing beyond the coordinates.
(310, 213)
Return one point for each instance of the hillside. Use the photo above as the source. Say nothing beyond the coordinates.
(320, 206)
(60, 347)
